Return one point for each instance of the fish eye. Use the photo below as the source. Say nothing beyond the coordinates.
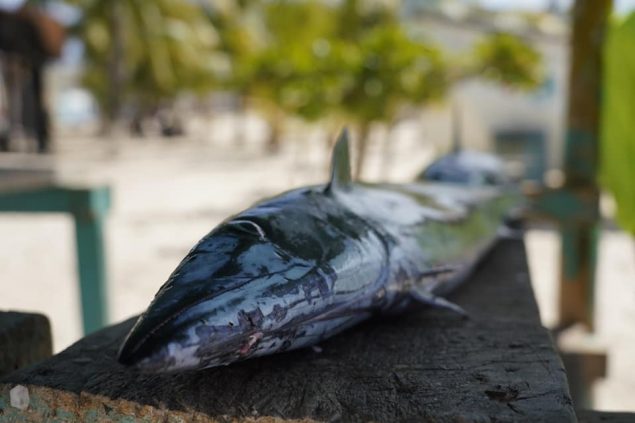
(249, 227)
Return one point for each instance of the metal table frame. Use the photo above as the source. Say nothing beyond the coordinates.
(88, 207)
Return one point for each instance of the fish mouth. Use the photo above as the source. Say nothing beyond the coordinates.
(141, 344)
(167, 321)
(184, 345)
(183, 354)
(193, 317)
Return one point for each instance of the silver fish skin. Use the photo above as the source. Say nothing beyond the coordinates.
(298, 268)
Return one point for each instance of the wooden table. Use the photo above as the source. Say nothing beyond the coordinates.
(432, 365)
(25, 338)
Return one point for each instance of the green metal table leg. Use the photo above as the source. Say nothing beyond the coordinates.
(89, 207)
(92, 271)
(89, 214)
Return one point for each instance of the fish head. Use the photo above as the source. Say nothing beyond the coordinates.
(466, 167)
(235, 291)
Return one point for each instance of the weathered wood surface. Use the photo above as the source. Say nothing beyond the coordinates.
(25, 338)
(432, 365)
(592, 416)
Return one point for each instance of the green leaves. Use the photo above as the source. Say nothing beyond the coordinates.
(312, 59)
(349, 59)
(507, 59)
(168, 47)
(393, 72)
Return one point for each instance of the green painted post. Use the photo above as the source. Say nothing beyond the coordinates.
(89, 211)
(580, 162)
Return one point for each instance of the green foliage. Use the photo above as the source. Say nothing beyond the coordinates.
(238, 44)
(312, 59)
(300, 69)
(507, 59)
(167, 48)
(353, 59)
(391, 71)
(617, 146)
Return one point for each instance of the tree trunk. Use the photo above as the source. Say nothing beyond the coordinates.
(387, 151)
(240, 121)
(115, 64)
(579, 236)
(362, 146)
(274, 142)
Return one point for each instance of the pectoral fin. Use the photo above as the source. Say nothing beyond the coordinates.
(424, 296)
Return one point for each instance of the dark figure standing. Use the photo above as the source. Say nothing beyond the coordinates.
(28, 39)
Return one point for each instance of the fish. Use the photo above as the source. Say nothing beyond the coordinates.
(300, 267)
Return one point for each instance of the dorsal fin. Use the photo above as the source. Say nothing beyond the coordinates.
(340, 165)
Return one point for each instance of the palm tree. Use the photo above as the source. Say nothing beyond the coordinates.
(388, 70)
(145, 52)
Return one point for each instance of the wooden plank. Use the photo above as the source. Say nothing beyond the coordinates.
(430, 365)
(593, 416)
(25, 338)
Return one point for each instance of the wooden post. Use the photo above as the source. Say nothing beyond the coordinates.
(25, 339)
(579, 237)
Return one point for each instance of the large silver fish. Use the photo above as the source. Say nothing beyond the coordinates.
(300, 267)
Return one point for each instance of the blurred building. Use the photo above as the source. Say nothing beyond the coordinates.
(495, 117)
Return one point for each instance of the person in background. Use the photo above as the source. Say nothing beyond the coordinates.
(28, 39)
